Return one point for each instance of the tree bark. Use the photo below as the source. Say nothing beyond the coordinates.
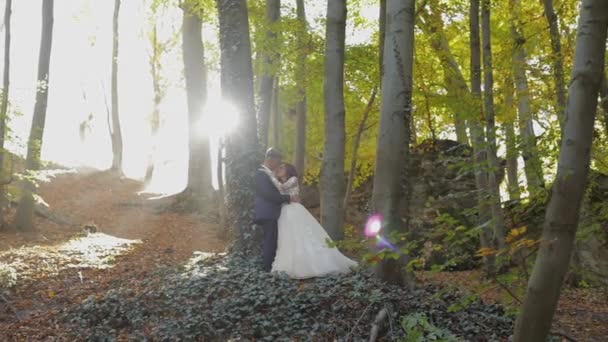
(532, 163)
(5, 97)
(493, 186)
(557, 61)
(199, 160)
(455, 84)
(25, 210)
(510, 142)
(158, 96)
(479, 140)
(604, 101)
(393, 137)
(276, 115)
(332, 170)
(382, 33)
(221, 191)
(355, 151)
(116, 131)
(269, 59)
(562, 215)
(303, 41)
(242, 149)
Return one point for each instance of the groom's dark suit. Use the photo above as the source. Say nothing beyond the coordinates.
(268, 202)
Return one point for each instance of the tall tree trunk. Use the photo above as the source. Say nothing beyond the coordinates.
(242, 149)
(158, 95)
(221, 191)
(562, 215)
(382, 34)
(432, 25)
(355, 151)
(557, 61)
(5, 96)
(488, 85)
(303, 42)
(604, 101)
(332, 169)
(199, 160)
(511, 143)
(479, 140)
(532, 163)
(25, 210)
(393, 137)
(117, 152)
(276, 115)
(269, 59)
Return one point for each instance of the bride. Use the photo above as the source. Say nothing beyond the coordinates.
(302, 250)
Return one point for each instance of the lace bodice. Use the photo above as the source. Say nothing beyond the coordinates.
(290, 187)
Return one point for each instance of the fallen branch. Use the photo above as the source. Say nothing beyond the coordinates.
(564, 335)
(380, 317)
(357, 323)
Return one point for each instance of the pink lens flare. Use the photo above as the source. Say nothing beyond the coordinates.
(373, 226)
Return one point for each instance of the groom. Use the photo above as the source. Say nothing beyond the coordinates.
(268, 201)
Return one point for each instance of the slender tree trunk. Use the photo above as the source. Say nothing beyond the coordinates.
(269, 59)
(242, 149)
(355, 151)
(532, 163)
(276, 115)
(303, 41)
(511, 143)
(432, 25)
(199, 161)
(117, 152)
(562, 215)
(25, 210)
(604, 101)
(479, 140)
(393, 137)
(158, 95)
(5, 99)
(332, 169)
(221, 191)
(493, 186)
(557, 61)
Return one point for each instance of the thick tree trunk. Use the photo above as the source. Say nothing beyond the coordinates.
(557, 61)
(393, 136)
(562, 215)
(5, 97)
(242, 150)
(355, 151)
(455, 84)
(25, 210)
(269, 59)
(303, 41)
(493, 186)
(116, 131)
(532, 163)
(479, 140)
(382, 33)
(199, 161)
(332, 169)
(510, 142)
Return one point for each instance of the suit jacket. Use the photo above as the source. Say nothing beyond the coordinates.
(268, 199)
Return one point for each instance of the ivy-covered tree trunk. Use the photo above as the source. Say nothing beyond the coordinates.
(532, 162)
(557, 60)
(4, 99)
(303, 41)
(488, 85)
(479, 141)
(562, 215)
(393, 137)
(242, 150)
(116, 133)
(332, 169)
(269, 59)
(25, 210)
(199, 184)
(432, 25)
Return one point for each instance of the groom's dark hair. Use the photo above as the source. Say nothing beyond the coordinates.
(273, 153)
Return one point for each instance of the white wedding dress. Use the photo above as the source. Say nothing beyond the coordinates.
(302, 250)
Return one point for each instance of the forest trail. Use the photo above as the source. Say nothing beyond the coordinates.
(59, 264)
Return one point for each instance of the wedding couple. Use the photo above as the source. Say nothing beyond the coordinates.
(294, 242)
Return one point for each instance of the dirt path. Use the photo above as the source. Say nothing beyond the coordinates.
(59, 277)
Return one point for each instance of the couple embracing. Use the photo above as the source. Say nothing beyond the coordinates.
(294, 242)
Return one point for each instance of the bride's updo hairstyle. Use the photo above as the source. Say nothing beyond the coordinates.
(290, 170)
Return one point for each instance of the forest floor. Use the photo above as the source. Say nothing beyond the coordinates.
(60, 266)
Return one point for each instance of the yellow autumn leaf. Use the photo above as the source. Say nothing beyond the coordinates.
(485, 251)
(52, 294)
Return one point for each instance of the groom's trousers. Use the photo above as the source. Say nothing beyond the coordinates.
(270, 243)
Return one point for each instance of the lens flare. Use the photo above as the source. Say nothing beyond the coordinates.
(373, 226)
